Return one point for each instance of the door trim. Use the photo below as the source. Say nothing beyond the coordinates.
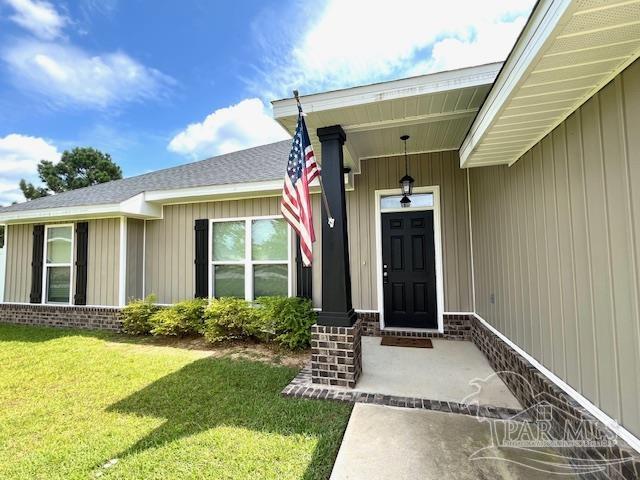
(437, 237)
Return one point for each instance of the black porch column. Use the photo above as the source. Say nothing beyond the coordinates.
(336, 278)
(336, 351)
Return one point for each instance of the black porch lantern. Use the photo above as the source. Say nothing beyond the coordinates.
(406, 182)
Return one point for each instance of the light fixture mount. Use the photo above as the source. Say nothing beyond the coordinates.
(406, 182)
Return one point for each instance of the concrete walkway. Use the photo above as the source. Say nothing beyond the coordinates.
(398, 443)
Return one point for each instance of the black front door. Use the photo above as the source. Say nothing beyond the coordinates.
(409, 270)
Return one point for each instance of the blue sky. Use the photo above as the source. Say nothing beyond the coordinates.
(162, 83)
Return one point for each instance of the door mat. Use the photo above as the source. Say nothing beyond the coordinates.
(406, 342)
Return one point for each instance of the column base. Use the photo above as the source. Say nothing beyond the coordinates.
(336, 355)
(337, 319)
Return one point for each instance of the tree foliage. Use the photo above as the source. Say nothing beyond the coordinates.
(78, 168)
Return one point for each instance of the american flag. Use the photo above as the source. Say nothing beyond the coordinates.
(296, 202)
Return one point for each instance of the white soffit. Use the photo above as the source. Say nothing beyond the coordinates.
(436, 110)
(568, 51)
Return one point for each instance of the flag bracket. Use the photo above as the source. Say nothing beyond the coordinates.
(330, 220)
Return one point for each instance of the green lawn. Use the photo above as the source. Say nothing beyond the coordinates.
(74, 402)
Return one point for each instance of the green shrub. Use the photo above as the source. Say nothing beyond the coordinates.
(230, 318)
(180, 319)
(136, 315)
(289, 320)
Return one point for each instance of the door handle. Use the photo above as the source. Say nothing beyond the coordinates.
(385, 274)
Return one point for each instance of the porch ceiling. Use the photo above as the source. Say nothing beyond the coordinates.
(568, 51)
(436, 110)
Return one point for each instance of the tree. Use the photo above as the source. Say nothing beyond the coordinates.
(78, 168)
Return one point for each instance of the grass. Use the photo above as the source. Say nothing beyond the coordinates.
(78, 405)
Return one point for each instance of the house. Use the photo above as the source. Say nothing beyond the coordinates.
(522, 231)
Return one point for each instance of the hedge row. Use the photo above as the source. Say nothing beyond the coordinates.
(284, 320)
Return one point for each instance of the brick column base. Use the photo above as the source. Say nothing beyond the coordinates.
(336, 355)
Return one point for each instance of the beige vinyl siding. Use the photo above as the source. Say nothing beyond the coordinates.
(135, 250)
(170, 242)
(170, 249)
(104, 260)
(430, 169)
(556, 239)
(102, 269)
(19, 246)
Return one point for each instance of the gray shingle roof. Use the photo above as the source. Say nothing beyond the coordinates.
(266, 162)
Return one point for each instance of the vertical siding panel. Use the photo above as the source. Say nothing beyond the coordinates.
(523, 241)
(100, 271)
(621, 248)
(515, 245)
(532, 256)
(583, 292)
(134, 258)
(553, 257)
(19, 247)
(454, 263)
(596, 217)
(565, 234)
(631, 117)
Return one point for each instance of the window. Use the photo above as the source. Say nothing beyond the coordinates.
(250, 258)
(57, 266)
(1, 236)
(417, 200)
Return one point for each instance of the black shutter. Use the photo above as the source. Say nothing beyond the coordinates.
(304, 275)
(36, 264)
(202, 258)
(82, 240)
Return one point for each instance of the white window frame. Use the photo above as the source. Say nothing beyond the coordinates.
(437, 237)
(248, 261)
(46, 265)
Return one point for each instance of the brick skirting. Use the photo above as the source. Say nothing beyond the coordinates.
(104, 318)
(336, 355)
(456, 327)
(302, 387)
(533, 389)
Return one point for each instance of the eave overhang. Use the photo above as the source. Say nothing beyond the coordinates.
(436, 110)
(568, 50)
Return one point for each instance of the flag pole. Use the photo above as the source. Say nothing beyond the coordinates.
(330, 219)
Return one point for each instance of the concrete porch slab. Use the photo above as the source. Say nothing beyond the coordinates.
(447, 372)
(385, 442)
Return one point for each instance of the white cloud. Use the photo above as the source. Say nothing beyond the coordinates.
(19, 157)
(361, 41)
(246, 124)
(67, 75)
(39, 17)
(491, 42)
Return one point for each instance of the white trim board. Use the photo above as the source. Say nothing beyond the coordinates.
(122, 268)
(437, 234)
(406, 87)
(3, 261)
(623, 433)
